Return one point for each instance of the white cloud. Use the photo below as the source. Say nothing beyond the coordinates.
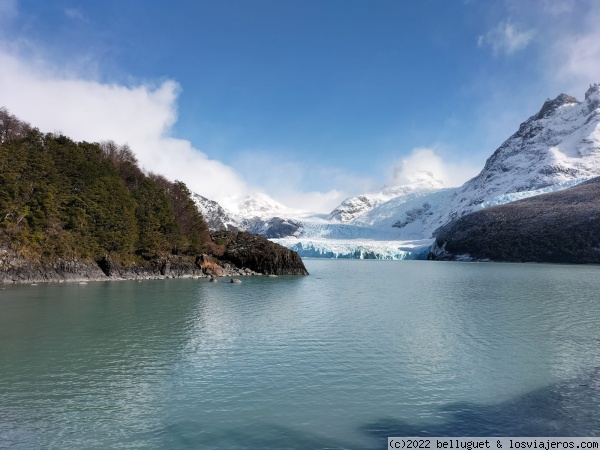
(558, 7)
(74, 13)
(582, 58)
(575, 55)
(285, 180)
(567, 52)
(426, 162)
(505, 38)
(314, 201)
(141, 116)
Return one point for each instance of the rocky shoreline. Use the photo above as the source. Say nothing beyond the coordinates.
(233, 254)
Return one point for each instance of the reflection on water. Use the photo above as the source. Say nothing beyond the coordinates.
(356, 352)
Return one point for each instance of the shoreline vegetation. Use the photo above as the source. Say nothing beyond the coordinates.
(79, 211)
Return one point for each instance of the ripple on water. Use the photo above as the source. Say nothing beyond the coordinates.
(357, 351)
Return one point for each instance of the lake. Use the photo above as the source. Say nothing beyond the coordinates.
(343, 358)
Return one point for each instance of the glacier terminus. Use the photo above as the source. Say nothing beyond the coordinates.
(554, 149)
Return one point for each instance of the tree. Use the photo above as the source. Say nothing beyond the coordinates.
(11, 128)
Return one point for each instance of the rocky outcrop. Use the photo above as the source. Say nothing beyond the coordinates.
(560, 227)
(213, 267)
(232, 254)
(256, 253)
(273, 228)
(550, 106)
(17, 268)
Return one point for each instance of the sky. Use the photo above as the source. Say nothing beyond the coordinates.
(307, 101)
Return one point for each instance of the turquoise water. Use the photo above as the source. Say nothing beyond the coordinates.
(343, 358)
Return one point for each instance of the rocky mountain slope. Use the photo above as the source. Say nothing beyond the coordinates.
(562, 227)
(558, 144)
(556, 148)
(256, 213)
(257, 205)
(217, 217)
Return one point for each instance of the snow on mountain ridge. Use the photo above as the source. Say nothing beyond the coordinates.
(354, 207)
(217, 217)
(259, 205)
(559, 143)
(255, 205)
(554, 149)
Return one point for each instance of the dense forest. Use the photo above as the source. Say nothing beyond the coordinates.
(88, 201)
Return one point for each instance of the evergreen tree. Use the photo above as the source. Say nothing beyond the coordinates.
(60, 198)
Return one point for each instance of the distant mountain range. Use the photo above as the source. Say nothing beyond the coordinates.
(354, 207)
(556, 148)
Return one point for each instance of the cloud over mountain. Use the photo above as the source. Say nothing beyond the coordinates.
(141, 116)
(506, 38)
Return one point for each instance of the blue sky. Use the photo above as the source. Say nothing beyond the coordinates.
(307, 101)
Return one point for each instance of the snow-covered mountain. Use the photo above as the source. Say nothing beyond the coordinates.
(217, 217)
(256, 213)
(238, 210)
(554, 149)
(353, 207)
(240, 213)
(558, 144)
(255, 205)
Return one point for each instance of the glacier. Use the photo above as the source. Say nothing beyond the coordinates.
(554, 149)
(362, 240)
(323, 239)
(357, 249)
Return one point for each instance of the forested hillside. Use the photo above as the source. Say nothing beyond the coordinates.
(88, 201)
(559, 227)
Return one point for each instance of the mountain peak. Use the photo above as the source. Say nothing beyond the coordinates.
(418, 182)
(551, 105)
(594, 89)
(592, 96)
(258, 204)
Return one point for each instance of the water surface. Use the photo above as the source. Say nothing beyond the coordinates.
(355, 352)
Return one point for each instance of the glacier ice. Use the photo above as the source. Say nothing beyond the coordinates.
(554, 149)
